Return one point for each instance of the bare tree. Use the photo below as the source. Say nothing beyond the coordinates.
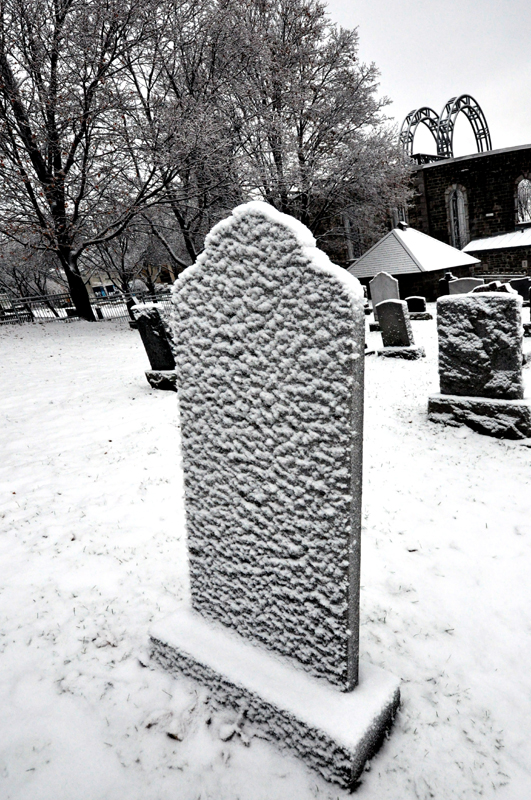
(26, 273)
(183, 77)
(71, 179)
(312, 138)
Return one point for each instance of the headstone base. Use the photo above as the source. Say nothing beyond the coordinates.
(162, 379)
(374, 326)
(409, 353)
(333, 732)
(420, 315)
(503, 419)
(527, 328)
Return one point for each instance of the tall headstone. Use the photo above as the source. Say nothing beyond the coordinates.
(383, 287)
(480, 365)
(157, 339)
(397, 334)
(269, 349)
(464, 285)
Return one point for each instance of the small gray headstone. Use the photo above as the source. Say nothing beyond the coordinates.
(464, 285)
(394, 323)
(383, 287)
(156, 337)
(480, 345)
(416, 304)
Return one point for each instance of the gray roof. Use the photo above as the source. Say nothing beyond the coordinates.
(403, 252)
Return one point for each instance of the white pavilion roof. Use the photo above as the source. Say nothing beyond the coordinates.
(405, 251)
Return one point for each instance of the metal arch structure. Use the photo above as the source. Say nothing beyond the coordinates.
(425, 115)
(472, 111)
(442, 127)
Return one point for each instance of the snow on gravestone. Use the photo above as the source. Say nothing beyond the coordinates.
(383, 287)
(270, 371)
(395, 324)
(269, 350)
(397, 334)
(480, 364)
(480, 345)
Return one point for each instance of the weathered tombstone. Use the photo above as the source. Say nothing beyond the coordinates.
(522, 286)
(397, 335)
(480, 365)
(417, 308)
(157, 339)
(464, 285)
(444, 283)
(383, 287)
(269, 350)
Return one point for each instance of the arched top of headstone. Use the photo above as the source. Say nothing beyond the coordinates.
(385, 283)
(257, 231)
(383, 287)
(269, 354)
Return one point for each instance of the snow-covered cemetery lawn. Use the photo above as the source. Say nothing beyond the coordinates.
(92, 552)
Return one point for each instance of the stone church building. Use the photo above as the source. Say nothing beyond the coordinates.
(481, 204)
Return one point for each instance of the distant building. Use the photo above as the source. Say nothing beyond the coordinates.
(416, 260)
(480, 203)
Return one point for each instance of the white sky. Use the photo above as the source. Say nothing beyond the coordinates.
(429, 51)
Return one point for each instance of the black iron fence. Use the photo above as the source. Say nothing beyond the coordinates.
(53, 307)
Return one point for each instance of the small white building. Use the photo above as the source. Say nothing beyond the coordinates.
(416, 260)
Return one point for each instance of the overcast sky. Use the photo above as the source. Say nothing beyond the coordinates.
(429, 51)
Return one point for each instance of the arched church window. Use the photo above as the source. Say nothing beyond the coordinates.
(523, 201)
(457, 207)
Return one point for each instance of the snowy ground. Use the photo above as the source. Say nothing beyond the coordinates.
(92, 550)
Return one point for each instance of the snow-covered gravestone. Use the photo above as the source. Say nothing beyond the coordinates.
(383, 287)
(480, 365)
(269, 350)
(397, 334)
(464, 285)
(157, 340)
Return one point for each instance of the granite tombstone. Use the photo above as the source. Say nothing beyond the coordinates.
(417, 308)
(269, 350)
(382, 287)
(480, 365)
(157, 339)
(397, 334)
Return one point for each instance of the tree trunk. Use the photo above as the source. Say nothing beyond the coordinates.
(79, 295)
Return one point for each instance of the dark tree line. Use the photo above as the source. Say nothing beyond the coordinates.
(126, 118)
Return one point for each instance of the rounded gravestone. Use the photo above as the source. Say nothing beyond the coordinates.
(269, 353)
